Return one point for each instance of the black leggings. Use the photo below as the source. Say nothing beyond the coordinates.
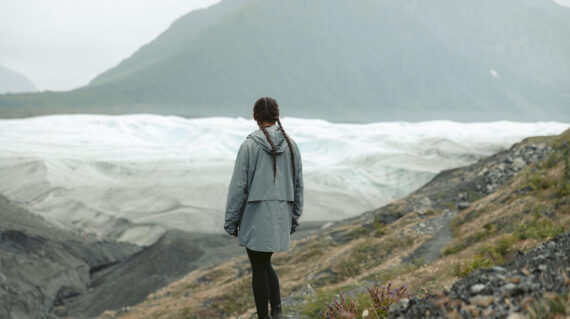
(264, 281)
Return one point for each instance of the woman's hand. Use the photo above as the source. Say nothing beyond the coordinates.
(235, 234)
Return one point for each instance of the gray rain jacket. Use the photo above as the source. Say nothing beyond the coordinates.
(266, 213)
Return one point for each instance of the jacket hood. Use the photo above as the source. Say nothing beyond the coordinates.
(276, 137)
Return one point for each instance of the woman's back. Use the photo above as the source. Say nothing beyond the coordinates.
(270, 210)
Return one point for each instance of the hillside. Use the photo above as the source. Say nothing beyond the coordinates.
(341, 60)
(534, 284)
(462, 220)
(14, 82)
(50, 272)
(42, 264)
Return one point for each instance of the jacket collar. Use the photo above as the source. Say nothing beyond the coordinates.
(276, 137)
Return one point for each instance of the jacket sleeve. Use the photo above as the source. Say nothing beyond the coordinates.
(237, 191)
(298, 195)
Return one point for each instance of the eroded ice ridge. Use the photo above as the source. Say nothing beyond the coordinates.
(102, 173)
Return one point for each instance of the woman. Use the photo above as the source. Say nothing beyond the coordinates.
(265, 201)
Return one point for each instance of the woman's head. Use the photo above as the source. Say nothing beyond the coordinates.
(266, 109)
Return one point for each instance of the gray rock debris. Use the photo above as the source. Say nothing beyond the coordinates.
(498, 292)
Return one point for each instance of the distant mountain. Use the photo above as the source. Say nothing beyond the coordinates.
(14, 82)
(341, 60)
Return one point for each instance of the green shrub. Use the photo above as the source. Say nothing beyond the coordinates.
(348, 268)
(488, 231)
(356, 233)
(237, 300)
(565, 185)
(379, 228)
(475, 196)
(478, 261)
(455, 249)
(549, 306)
(552, 160)
(538, 228)
(539, 181)
(314, 304)
(390, 273)
(564, 190)
(500, 249)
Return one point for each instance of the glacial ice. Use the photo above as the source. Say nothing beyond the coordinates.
(130, 177)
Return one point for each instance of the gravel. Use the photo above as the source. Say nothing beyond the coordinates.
(498, 292)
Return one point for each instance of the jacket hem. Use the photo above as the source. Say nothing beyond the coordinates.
(264, 249)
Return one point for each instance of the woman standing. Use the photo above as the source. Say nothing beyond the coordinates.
(265, 201)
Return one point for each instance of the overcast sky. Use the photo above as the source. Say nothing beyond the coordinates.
(63, 44)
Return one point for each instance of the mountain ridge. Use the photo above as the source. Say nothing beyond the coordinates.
(387, 60)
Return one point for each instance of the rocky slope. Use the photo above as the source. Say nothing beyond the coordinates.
(41, 264)
(462, 220)
(49, 272)
(174, 254)
(535, 283)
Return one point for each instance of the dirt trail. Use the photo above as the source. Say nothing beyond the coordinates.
(430, 250)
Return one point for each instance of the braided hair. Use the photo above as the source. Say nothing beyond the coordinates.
(266, 109)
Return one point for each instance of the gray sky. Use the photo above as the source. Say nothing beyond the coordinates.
(63, 44)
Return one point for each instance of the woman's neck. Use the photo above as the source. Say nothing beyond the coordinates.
(267, 124)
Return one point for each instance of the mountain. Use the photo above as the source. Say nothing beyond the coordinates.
(14, 82)
(341, 60)
(463, 223)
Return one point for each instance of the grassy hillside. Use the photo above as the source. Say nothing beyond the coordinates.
(341, 60)
(465, 218)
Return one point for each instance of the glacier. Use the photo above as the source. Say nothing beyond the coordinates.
(131, 177)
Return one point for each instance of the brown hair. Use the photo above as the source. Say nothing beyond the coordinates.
(266, 109)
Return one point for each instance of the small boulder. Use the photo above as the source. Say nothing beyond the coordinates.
(477, 288)
(481, 301)
(463, 205)
(519, 163)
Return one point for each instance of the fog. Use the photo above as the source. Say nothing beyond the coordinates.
(63, 44)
